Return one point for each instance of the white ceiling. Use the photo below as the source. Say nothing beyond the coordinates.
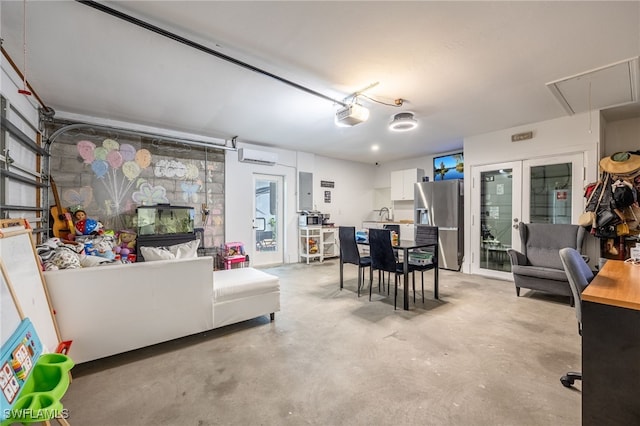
(463, 68)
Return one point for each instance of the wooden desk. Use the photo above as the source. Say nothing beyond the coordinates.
(611, 346)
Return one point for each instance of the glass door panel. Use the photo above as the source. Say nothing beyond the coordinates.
(267, 222)
(550, 182)
(495, 223)
(496, 212)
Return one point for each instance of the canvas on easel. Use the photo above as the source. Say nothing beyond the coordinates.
(22, 280)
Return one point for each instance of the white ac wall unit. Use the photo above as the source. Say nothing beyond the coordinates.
(255, 156)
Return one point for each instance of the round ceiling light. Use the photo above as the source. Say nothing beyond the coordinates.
(403, 122)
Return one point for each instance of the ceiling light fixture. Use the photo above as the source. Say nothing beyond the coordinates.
(403, 122)
(352, 113)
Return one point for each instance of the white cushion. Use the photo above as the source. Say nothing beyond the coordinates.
(229, 284)
(156, 253)
(186, 250)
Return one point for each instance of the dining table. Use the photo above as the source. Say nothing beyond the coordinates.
(406, 246)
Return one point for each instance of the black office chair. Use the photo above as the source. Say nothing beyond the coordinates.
(349, 253)
(383, 258)
(579, 275)
(427, 235)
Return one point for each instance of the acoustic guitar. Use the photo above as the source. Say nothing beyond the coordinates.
(62, 222)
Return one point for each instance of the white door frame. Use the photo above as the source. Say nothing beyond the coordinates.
(521, 206)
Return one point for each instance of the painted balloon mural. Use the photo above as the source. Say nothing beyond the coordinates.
(148, 195)
(116, 165)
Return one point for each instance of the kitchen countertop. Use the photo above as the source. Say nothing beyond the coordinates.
(390, 222)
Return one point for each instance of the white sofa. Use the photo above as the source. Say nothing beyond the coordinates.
(112, 309)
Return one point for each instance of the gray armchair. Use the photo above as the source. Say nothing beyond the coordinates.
(538, 266)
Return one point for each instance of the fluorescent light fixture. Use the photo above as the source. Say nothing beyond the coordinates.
(403, 122)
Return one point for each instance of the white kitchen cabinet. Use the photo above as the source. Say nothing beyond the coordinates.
(402, 183)
(318, 243)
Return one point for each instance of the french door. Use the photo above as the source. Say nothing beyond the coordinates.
(541, 190)
(268, 235)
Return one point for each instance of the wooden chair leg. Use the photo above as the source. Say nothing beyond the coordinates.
(62, 421)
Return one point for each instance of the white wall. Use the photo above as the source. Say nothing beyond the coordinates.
(402, 210)
(383, 171)
(351, 198)
(564, 135)
(623, 135)
(239, 197)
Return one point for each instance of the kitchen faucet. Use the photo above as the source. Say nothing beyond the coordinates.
(384, 209)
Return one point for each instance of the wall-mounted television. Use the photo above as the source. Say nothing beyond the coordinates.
(449, 166)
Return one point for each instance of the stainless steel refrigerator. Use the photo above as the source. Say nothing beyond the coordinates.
(441, 204)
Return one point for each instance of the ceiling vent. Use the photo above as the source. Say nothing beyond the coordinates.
(257, 157)
(608, 86)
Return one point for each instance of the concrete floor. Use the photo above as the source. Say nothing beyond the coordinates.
(479, 356)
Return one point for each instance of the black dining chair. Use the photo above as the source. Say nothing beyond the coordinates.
(383, 258)
(394, 228)
(426, 234)
(349, 253)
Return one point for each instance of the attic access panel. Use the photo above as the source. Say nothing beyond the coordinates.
(608, 86)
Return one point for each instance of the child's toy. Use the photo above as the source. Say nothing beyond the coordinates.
(32, 383)
(89, 250)
(104, 249)
(126, 243)
(79, 215)
(233, 253)
(87, 227)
